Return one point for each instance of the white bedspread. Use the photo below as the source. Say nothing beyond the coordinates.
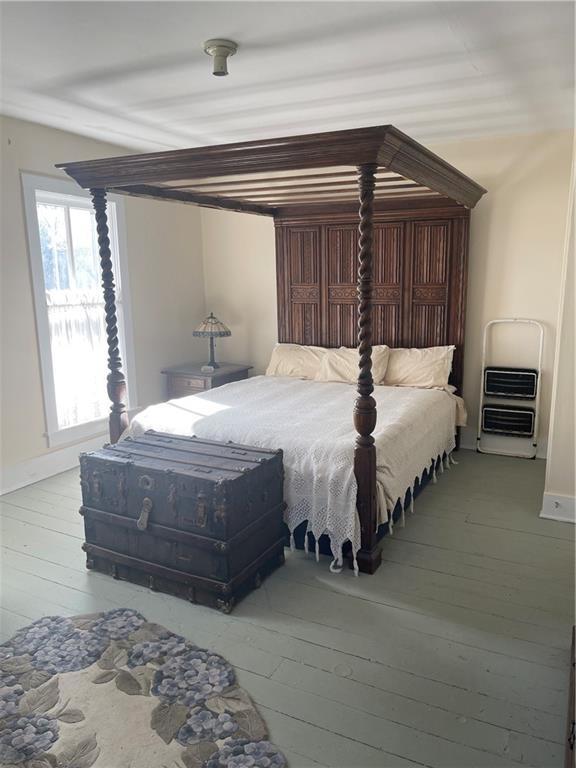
(312, 422)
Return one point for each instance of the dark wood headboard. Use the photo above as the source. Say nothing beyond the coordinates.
(420, 270)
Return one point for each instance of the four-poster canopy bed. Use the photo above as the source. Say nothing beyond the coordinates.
(411, 253)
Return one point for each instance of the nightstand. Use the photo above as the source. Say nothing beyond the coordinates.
(188, 379)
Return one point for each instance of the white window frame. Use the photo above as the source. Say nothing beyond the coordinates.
(31, 183)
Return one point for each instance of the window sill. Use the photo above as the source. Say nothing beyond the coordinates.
(78, 433)
(82, 432)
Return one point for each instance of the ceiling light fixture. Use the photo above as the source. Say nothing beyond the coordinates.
(220, 50)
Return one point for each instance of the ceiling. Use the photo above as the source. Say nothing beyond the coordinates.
(134, 73)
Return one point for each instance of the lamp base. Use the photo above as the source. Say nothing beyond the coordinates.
(209, 368)
(212, 362)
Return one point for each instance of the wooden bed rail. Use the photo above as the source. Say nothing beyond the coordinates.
(370, 554)
(116, 383)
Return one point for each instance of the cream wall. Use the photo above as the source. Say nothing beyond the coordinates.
(560, 488)
(240, 283)
(165, 275)
(516, 249)
(560, 475)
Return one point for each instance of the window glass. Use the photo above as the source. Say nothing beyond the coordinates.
(75, 307)
(54, 245)
(85, 248)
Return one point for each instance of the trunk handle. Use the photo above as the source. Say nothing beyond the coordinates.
(142, 522)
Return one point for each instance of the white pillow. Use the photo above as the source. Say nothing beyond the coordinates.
(428, 367)
(342, 364)
(295, 360)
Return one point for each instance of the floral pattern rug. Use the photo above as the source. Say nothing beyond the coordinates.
(112, 690)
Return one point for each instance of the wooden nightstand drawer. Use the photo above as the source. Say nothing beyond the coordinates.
(176, 391)
(185, 382)
(182, 386)
(189, 379)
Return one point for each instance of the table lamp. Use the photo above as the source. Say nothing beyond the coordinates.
(212, 328)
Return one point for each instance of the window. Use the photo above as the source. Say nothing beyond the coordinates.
(69, 303)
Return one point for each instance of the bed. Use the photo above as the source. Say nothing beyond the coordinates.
(415, 430)
(371, 248)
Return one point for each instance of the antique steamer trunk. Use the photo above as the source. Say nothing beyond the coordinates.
(195, 518)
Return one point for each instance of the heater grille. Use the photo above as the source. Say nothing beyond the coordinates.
(518, 383)
(508, 420)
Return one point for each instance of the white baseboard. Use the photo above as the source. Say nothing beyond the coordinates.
(556, 506)
(48, 464)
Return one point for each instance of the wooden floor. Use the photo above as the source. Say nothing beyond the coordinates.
(454, 654)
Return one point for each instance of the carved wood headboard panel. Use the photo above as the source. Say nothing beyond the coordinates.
(420, 266)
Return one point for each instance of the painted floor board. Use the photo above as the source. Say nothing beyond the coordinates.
(447, 603)
(477, 633)
(454, 655)
(67, 527)
(397, 742)
(433, 658)
(409, 685)
(432, 720)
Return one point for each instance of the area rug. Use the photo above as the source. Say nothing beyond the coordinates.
(112, 690)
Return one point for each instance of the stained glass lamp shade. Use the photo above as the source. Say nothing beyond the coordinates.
(212, 328)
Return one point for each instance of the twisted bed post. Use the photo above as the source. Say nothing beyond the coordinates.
(118, 419)
(370, 555)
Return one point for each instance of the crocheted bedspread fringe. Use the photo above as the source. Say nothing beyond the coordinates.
(437, 465)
